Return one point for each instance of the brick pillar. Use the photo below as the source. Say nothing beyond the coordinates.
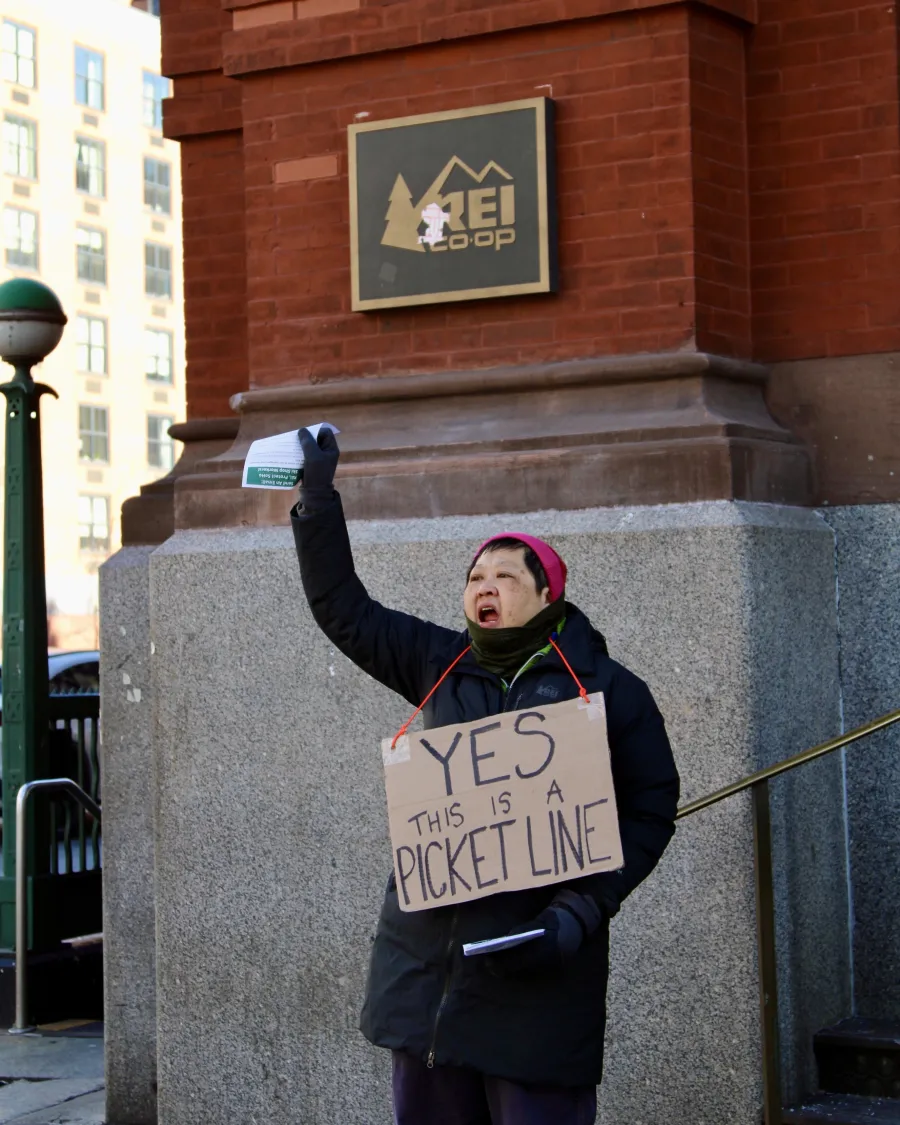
(205, 117)
(824, 135)
(636, 375)
(713, 158)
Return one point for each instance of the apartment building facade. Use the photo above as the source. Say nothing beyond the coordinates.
(90, 195)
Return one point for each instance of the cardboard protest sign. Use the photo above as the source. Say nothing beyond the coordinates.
(511, 801)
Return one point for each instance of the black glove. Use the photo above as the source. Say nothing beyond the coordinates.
(320, 459)
(567, 921)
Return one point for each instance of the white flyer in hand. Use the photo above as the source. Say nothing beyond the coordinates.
(277, 461)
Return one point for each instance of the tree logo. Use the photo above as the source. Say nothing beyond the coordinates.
(475, 216)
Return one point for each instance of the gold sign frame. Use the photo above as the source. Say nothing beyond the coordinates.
(546, 222)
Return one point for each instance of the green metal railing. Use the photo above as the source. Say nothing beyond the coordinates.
(75, 723)
(758, 783)
(74, 792)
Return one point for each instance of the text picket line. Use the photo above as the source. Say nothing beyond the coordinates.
(518, 800)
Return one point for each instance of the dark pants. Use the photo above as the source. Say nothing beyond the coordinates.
(450, 1095)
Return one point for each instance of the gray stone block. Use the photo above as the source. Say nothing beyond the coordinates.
(868, 570)
(271, 838)
(129, 908)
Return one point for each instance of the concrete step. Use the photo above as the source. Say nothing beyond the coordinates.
(860, 1056)
(844, 1109)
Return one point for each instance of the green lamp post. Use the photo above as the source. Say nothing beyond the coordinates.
(31, 325)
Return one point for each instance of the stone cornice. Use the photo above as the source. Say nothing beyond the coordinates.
(204, 429)
(608, 370)
(149, 518)
(668, 427)
(298, 40)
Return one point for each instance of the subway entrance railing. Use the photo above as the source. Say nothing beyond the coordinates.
(65, 847)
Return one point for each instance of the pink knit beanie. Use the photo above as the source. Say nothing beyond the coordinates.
(553, 565)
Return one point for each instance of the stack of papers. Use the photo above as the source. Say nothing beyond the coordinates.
(277, 462)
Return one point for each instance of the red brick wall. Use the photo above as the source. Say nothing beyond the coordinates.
(719, 167)
(192, 33)
(825, 194)
(204, 115)
(722, 185)
(215, 289)
(621, 88)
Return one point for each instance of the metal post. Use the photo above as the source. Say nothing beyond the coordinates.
(21, 1025)
(765, 943)
(25, 722)
(67, 786)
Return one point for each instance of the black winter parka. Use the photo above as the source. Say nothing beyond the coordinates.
(423, 996)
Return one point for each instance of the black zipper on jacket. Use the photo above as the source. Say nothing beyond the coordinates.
(508, 704)
(508, 701)
(445, 995)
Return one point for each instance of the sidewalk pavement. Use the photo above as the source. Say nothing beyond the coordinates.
(52, 1079)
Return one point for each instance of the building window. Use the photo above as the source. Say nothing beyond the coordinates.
(155, 89)
(91, 255)
(93, 523)
(90, 345)
(157, 270)
(158, 355)
(153, 7)
(90, 166)
(89, 78)
(160, 447)
(19, 147)
(19, 54)
(157, 185)
(93, 432)
(20, 232)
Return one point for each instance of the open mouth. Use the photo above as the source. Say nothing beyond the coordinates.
(488, 615)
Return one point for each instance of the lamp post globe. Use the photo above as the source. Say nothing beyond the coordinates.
(31, 322)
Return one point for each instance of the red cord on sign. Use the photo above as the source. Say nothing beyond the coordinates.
(581, 689)
(409, 721)
(584, 695)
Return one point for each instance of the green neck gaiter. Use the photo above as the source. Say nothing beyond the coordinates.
(504, 651)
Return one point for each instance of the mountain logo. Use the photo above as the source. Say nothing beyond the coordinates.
(476, 186)
(478, 216)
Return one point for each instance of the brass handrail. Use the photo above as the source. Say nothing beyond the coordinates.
(758, 784)
(789, 764)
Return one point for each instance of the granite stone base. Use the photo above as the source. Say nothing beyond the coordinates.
(129, 907)
(271, 836)
(868, 570)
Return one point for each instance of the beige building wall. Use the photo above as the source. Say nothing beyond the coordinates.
(128, 41)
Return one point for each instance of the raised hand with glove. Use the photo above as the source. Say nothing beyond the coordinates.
(320, 460)
(567, 921)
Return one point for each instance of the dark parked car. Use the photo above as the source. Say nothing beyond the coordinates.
(70, 673)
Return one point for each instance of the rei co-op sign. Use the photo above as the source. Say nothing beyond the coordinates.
(453, 206)
(515, 800)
